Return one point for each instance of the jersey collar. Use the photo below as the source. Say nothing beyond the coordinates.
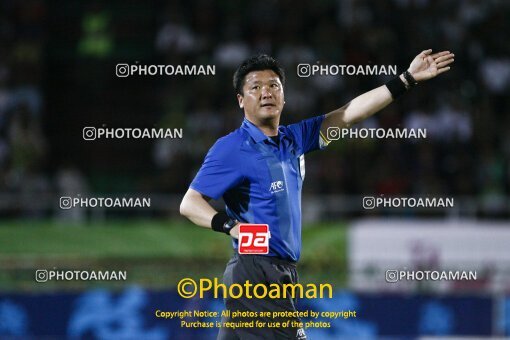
(255, 133)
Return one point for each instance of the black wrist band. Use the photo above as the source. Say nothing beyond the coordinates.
(410, 79)
(219, 220)
(396, 87)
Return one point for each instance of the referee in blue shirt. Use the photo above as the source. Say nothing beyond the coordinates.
(259, 169)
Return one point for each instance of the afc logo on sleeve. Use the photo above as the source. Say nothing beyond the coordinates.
(254, 239)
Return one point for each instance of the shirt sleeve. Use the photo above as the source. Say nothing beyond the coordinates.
(307, 134)
(218, 173)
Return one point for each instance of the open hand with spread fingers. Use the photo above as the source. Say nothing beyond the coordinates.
(427, 65)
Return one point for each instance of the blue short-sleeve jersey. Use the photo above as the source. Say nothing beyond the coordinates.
(260, 180)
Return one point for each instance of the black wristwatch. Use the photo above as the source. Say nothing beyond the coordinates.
(229, 225)
(223, 223)
(410, 79)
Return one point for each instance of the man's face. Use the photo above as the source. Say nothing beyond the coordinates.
(262, 97)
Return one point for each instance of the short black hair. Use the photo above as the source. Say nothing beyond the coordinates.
(259, 62)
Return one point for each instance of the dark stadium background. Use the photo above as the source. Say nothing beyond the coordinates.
(57, 76)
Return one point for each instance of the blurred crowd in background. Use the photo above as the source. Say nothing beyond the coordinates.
(57, 75)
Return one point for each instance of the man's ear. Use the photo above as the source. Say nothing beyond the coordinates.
(240, 100)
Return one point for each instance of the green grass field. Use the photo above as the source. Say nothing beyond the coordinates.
(155, 253)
